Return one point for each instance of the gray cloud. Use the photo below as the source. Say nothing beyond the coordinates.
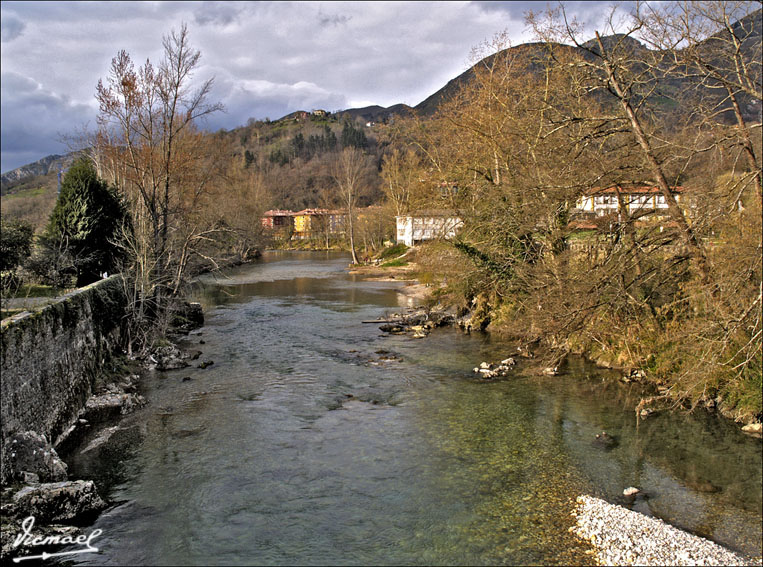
(34, 119)
(268, 58)
(263, 99)
(217, 13)
(332, 20)
(590, 13)
(11, 27)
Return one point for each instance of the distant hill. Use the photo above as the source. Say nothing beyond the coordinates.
(16, 179)
(378, 113)
(373, 113)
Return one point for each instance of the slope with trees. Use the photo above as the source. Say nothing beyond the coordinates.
(536, 129)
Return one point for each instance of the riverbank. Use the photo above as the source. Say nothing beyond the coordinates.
(39, 482)
(658, 397)
(620, 536)
(418, 292)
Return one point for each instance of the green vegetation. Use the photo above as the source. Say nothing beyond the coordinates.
(15, 244)
(394, 250)
(88, 224)
(37, 290)
(395, 263)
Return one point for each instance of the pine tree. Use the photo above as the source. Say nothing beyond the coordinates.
(87, 221)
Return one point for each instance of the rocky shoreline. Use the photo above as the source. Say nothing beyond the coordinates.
(417, 322)
(620, 536)
(41, 486)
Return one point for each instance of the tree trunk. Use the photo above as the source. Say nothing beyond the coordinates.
(696, 249)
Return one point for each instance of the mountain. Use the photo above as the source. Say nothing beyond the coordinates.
(13, 180)
(430, 105)
(377, 113)
(749, 28)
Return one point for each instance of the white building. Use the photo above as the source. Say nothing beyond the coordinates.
(426, 225)
(635, 199)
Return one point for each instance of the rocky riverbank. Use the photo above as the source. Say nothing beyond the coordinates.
(40, 485)
(623, 537)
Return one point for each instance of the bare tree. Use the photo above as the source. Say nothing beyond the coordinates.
(349, 173)
(150, 148)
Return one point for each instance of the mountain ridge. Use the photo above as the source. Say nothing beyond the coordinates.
(376, 113)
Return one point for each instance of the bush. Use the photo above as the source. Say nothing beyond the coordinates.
(15, 243)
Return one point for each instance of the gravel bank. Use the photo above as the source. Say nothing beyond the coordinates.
(624, 537)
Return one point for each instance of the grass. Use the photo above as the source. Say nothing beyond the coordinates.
(38, 290)
(31, 192)
(4, 313)
(391, 251)
(395, 263)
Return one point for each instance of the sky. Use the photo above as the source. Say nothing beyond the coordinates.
(267, 58)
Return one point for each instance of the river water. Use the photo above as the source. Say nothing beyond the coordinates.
(316, 439)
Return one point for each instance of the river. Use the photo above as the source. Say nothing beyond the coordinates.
(316, 439)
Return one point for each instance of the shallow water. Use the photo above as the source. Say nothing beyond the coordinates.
(315, 439)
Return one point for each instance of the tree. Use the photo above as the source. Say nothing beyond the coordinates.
(715, 47)
(88, 220)
(15, 244)
(400, 177)
(15, 247)
(353, 137)
(349, 172)
(150, 148)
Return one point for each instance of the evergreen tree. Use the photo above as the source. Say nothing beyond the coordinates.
(88, 222)
(353, 137)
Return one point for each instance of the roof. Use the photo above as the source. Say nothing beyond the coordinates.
(278, 213)
(645, 189)
(583, 225)
(431, 213)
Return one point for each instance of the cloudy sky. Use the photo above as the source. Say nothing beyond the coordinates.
(267, 58)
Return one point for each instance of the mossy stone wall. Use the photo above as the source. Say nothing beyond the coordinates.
(50, 359)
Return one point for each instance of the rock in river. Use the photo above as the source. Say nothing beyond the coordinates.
(59, 501)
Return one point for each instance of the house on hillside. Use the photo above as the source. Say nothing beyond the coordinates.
(427, 225)
(303, 223)
(637, 200)
(275, 219)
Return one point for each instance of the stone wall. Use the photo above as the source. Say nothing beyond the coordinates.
(51, 358)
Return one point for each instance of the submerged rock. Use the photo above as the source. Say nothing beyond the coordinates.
(490, 371)
(605, 441)
(417, 322)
